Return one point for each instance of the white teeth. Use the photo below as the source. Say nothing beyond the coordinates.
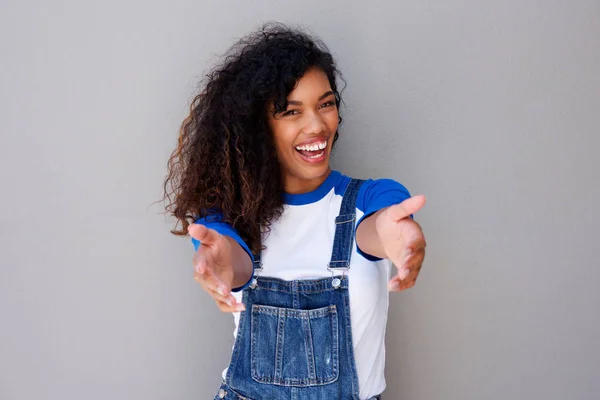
(312, 147)
(318, 155)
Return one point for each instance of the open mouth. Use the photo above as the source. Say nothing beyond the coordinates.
(313, 151)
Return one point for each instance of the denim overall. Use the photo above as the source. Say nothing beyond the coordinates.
(294, 340)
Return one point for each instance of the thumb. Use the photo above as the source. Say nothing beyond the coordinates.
(203, 234)
(406, 208)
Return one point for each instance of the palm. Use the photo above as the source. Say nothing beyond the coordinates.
(213, 258)
(398, 237)
(403, 241)
(217, 256)
(213, 267)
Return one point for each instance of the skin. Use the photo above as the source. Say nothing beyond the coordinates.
(312, 116)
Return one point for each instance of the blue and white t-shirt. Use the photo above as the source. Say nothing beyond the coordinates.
(299, 247)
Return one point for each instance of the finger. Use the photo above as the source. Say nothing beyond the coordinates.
(406, 208)
(221, 295)
(407, 275)
(218, 293)
(203, 261)
(201, 265)
(397, 285)
(207, 275)
(407, 284)
(212, 283)
(224, 307)
(394, 284)
(413, 261)
(411, 250)
(204, 235)
(404, 271)
(415, 244)
(411, 269)
(410, 281)
(405, 279)
(415, 241)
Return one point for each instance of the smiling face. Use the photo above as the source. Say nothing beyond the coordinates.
(304, 132)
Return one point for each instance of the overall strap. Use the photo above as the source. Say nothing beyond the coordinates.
(257, 265)
(343, 240)
(256, 268)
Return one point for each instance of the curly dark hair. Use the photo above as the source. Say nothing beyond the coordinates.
(225, 161)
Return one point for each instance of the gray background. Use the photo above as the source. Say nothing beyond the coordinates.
(489, 108)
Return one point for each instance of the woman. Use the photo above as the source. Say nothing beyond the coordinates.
(300, 254)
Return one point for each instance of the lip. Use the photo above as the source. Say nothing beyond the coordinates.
(319, 139)
(317, 160)
(321, 159)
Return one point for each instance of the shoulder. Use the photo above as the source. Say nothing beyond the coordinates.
(375, 194)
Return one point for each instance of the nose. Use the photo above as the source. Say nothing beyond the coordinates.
(314, 124)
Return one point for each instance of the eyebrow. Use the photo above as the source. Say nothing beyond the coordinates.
(299, 103)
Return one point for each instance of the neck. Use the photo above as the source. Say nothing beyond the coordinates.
(294, 185)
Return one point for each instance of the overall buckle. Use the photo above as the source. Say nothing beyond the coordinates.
(336, 282)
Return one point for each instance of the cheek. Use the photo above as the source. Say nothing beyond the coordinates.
(284, 137)
(332, 121)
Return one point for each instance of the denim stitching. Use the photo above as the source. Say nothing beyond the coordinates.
(324, 312)
(279, 347)
(310, 355)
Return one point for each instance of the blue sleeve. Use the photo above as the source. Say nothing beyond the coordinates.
(375, 195)
(214, 221)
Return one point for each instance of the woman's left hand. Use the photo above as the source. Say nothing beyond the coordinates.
(403, 241)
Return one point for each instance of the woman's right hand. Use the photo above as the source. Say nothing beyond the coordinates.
(213, 266)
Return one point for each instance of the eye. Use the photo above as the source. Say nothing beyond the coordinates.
(328, 104)
(289, 112)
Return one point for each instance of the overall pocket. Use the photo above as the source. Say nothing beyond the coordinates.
(292, 347)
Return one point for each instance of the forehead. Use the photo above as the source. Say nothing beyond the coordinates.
(313, 83)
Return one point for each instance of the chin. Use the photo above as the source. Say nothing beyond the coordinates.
(314, 171)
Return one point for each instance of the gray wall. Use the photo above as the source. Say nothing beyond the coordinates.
(489, 108)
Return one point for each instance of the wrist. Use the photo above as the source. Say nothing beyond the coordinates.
(379, 218)
(241, 263)
(369, 235)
